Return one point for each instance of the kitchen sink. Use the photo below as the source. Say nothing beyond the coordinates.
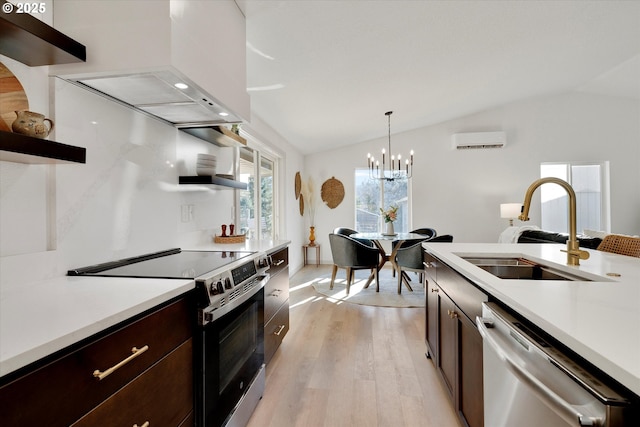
(521, 268)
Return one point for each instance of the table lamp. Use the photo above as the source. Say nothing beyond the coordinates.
(510, 211)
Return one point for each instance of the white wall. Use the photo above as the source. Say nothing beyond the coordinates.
(458, 192)
(124, 201)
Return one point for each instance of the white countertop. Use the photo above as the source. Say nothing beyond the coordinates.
(40, 318)
(599, 319)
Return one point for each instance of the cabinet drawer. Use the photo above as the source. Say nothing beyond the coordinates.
(66, 388)
(275, 330)
(465, 294)
(430, 263)
(276, 292)
(162, 396)
(279, 260)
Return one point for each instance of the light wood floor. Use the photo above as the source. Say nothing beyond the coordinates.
(351, 365)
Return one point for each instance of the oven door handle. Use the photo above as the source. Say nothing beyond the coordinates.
(559, 405)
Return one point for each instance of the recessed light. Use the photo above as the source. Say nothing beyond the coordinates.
(223, 114)
(181, 86)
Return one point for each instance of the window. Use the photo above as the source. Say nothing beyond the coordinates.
(372, 194)
(258, 200)
(590, 181)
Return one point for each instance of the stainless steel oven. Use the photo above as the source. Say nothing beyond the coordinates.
(229, 372)
(230, 376)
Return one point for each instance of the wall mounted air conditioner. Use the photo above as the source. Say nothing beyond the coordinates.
(463, 141)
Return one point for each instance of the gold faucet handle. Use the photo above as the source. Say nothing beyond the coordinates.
(577, 253)
(574, 253)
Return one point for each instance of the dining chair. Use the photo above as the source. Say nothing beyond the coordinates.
(352, 255)
(429, 232)
(409, 258)
(348, 232)
(446, 238)
(344, 231)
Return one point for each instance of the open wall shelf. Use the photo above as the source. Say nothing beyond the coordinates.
(217, 135)
(214, 181)
(34, 43)
(18, 148)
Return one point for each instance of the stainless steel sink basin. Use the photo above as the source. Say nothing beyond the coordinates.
(521, 268)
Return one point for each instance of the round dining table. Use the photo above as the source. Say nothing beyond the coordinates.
(398, 239)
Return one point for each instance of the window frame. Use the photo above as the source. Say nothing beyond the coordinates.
(382, 202)
(605, 198)
(259, 153)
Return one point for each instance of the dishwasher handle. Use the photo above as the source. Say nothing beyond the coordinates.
(559, 405)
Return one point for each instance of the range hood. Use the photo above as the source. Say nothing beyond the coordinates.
(181, 61)
(162, 94)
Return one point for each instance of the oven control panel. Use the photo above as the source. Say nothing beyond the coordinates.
(217, 291)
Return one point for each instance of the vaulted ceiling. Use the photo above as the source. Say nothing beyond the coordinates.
(323, 73)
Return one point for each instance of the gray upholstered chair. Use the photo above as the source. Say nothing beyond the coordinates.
(351, 255)
(348, 232)
(409, 258)
(444, 238)
(344, 231)
(430, 233)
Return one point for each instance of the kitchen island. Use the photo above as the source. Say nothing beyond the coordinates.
(597, 319)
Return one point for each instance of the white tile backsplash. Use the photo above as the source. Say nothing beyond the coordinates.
(124, 201)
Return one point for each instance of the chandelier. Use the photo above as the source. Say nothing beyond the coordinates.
(395, 169)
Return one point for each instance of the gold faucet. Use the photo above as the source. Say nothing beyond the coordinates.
(574, 254)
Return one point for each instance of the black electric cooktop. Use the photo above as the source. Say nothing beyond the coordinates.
(169, 264)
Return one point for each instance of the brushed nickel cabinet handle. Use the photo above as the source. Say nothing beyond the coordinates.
(434, 290)
(100, 375)
(279, 330)
(146, 424)
(280, 262)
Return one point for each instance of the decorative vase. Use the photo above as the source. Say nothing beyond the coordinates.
(390, 230)
(32, 124)
(312, 236)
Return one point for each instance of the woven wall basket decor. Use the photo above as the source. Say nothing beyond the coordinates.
(301, 205)
(332, 192)
(298, 185)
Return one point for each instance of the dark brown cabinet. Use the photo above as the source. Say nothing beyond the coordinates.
(448, 354)
(142, 368)
(276, 303)
(453, 342)
(431, 329)
(470, 386)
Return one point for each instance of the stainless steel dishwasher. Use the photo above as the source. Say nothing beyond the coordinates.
(529, 382)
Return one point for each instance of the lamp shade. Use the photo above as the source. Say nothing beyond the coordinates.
(510, 210)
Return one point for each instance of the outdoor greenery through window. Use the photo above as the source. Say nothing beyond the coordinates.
(589, 182)
(253, 203)
(373, 194)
